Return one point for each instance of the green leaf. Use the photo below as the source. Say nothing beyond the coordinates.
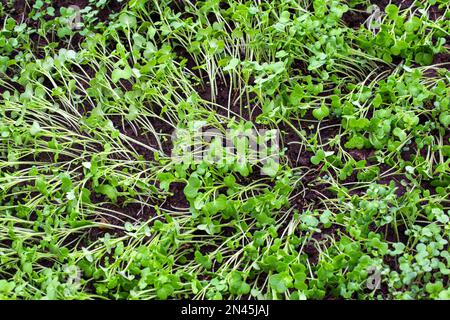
(400, 134)
(165, 291)
(413, 24)
(242, 168)
(127, 20)
(321, 113)
(137, 4)
(325, 218)
(27, 267)
(377, 101)
(41, 186)
(133, 113)
(237, 284)
(220, 203)
(203, 260)
(434, 288)
(165, 179)
(318, 157)
(190, 192)
(6, 287)
(316, 63)
(280, 282)
(66, 182)
(191, 188)
(234, 62)
(398, 47)
(35, 128)
(271, 168)
(108, 190)
(194, 181)
(444, 295)
(309, 220)
(299, 281)
(424, 58)
(320, 8)
(230, 181)
(392, 11)
(118, 74)
(358, 124)
(398, 248)
(356, 141)
(444, 118)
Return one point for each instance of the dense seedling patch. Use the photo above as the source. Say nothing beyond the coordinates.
(94, 202)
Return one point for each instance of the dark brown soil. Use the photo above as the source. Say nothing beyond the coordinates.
(112, 7)
(242, 108)
(400, 189)
(19, 11)
(435, 13)
(66, 3)
(295, 155)
(149, 139)
(320, 239)
(132, 212)
(442, 58)
(177, 200)
(355, 18)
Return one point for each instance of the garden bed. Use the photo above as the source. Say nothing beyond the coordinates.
(93, 116)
